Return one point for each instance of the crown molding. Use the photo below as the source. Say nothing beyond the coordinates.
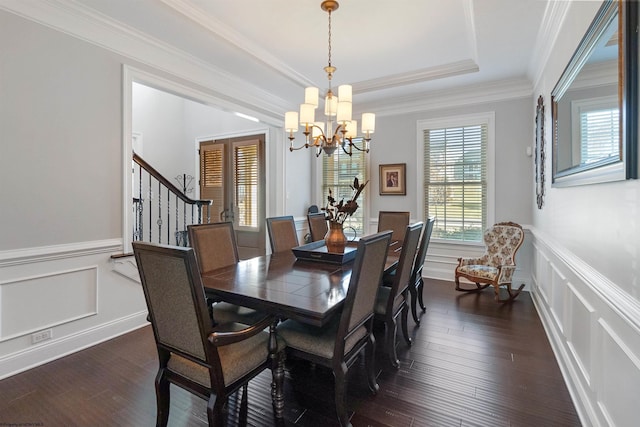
(548, 33)
(236, 40)
(450, 98)
(78, 20)
(418, 76)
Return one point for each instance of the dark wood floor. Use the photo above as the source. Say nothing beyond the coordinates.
(473, 363)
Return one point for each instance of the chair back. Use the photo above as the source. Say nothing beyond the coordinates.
(422, 249)
(363, 286)
(502, 241)
(282, 233)
(175, 299)
(405, 266)
(317, 226)
(395, 221)
(214, 244)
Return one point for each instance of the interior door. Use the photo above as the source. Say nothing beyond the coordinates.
(232, 175)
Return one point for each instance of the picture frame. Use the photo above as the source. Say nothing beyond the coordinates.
(393, 179)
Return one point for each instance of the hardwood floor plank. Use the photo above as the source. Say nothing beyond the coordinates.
(473, 362)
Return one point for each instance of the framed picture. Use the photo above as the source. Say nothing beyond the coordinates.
(393, 179)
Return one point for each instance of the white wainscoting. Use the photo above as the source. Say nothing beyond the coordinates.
(594, 329)
(68, 292)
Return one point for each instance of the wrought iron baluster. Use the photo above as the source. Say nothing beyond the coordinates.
(150, 209)
(159, 221)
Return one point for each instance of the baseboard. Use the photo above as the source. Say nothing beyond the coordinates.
(39, 355)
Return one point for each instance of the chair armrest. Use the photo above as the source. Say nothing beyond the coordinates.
(505, 273)
(221, 338)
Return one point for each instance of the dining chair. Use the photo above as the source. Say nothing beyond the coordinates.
(215, 247)
(391, 301)
(282, 233)
(210, 362)
(416, 282)
(317, 226)
(395, 221)
(498, 263)
(339, 344)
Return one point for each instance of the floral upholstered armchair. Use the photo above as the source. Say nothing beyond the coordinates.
(497, 265)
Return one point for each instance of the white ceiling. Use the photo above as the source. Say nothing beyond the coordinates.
(388, 50)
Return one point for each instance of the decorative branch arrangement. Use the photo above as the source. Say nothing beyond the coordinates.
(339, 212)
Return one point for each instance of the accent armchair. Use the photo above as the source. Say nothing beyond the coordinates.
(497, 265)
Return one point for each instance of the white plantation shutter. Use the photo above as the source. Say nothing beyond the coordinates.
(455, 181)
(246, 184)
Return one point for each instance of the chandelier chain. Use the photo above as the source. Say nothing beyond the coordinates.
(329, 37)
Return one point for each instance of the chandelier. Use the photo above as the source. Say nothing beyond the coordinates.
(337, 111)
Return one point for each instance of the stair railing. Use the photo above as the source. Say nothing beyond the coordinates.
(162, 207)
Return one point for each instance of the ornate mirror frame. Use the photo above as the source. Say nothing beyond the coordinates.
(623, 165)
(539, 153)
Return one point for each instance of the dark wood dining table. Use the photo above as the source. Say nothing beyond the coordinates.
(281, 285)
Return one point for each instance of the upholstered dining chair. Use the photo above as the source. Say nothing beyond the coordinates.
(317, 225)
(498, 263)
(416, 282)
(339, 344)
(391, 301)
(215, 247)
(282, 233)
(210, 362)
(395, 221)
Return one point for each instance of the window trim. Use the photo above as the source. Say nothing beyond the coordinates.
(486, 118)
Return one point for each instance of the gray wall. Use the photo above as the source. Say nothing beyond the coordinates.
(60, 112)
(395, 142)
(598, 223)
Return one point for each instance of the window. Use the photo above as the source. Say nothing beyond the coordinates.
(596, 132)
(338, 172)
(457, 175)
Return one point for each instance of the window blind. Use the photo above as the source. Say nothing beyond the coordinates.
(600, 135)
(338, 172)
(455, 181)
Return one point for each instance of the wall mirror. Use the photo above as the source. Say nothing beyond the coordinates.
(593, 103)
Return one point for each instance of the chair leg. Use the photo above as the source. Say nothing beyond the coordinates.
(244, 405)
(512, 294)
(216, 411)
(369, 361)
(162, 399)
(391, 327)
(414, 305)
(479, 287)
(421, 294)
(405, 327)
(340, 384)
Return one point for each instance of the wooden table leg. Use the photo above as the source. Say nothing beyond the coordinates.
(277, 371)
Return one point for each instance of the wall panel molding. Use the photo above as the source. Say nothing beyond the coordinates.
(71, 293)
(594, 332)
(62, 297)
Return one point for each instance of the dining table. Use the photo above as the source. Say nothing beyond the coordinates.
(280, 284)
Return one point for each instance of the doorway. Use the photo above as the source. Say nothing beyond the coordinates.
(232, 174)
